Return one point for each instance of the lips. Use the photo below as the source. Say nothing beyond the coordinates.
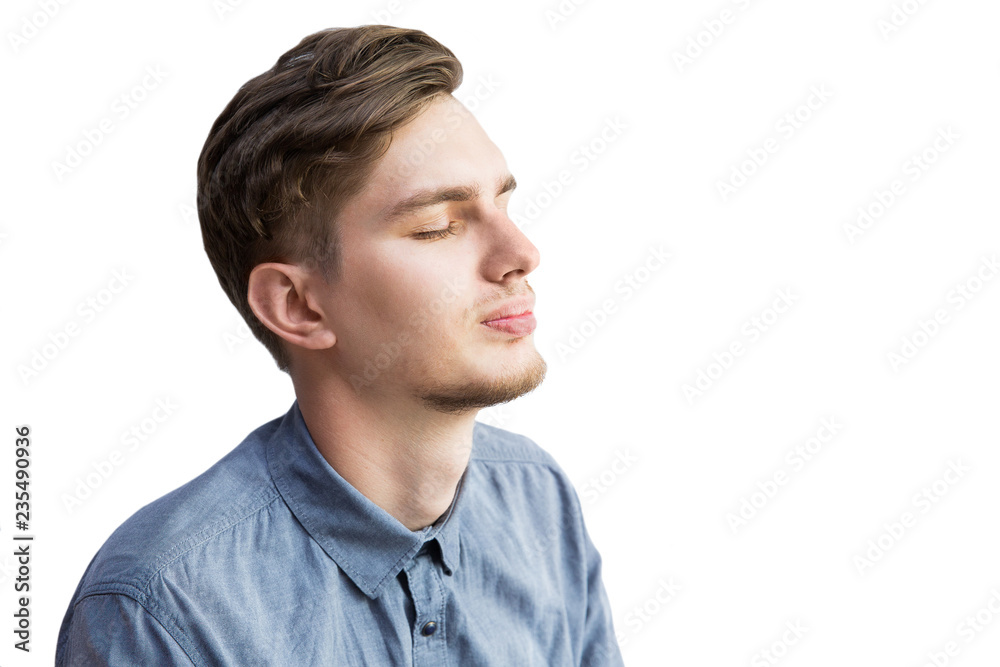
(514, 317)
(512, 308)
(520, 325)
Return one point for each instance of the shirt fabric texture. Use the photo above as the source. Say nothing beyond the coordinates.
(270, 557)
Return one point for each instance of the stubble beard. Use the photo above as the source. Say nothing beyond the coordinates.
(477, 394)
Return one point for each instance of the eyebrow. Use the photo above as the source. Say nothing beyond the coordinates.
(427, 198)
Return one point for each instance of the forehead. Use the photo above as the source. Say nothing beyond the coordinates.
(443, 146)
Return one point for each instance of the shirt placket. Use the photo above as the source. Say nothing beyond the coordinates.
(429, 624)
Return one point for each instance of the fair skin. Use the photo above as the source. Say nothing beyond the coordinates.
(391, 360)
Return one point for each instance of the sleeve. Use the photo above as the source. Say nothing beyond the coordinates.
(600, 645)
(113, 630)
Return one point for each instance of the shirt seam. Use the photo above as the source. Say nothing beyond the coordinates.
(443, 646)
(140, 591)
(163, 561)
(145, 602)
(270, 495)
(551, 465)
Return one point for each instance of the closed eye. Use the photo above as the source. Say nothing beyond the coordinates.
(437, 233)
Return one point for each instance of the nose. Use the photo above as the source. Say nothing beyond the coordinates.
(508, 254)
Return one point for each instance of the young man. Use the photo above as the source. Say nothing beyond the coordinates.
(355, 214)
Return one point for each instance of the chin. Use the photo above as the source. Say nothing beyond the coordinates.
(483, 392)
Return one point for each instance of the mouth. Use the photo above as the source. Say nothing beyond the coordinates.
(516, 325)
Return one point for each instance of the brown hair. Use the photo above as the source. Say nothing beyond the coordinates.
(301, 139)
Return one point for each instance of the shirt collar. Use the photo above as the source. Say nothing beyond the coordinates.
(370, 545)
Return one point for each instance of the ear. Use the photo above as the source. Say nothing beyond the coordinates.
(282, 297)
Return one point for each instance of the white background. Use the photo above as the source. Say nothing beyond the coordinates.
(659, 471)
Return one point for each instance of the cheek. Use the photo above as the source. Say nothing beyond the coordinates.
(412, 292)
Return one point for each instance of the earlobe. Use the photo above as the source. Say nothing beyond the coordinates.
(279, 296)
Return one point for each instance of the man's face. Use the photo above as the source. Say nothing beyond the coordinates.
(429, 254)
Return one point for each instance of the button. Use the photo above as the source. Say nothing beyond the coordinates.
(430, 627)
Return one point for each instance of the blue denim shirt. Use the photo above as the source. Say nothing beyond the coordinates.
(271, 558)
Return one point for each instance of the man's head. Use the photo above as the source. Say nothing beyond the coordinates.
(351, 207)
(299, 140)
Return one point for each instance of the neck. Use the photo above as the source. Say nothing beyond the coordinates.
(403, 456)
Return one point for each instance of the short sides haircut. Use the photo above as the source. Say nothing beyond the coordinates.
(300, 140)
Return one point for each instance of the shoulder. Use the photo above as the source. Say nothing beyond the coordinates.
(233, 490)
(514, 467)
(492, 445)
